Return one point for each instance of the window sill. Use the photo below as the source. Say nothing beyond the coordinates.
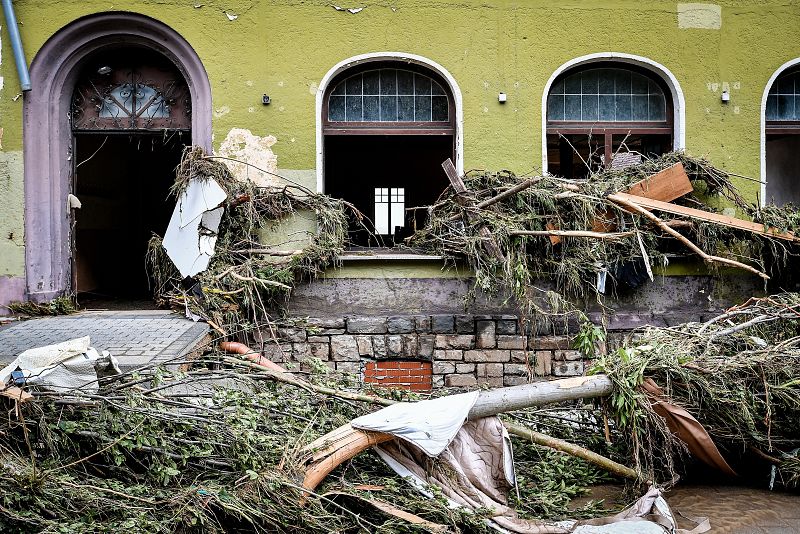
(387, 254)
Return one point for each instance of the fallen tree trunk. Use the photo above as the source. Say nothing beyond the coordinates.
(345, 442)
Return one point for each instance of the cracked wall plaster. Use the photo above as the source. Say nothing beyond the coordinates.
(241, 144)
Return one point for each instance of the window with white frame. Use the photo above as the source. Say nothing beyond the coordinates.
(390, 209)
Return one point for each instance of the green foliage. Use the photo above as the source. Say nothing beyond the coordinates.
(57, 306)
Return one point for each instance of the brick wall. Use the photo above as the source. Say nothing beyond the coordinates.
(414, 375)
(460, 350)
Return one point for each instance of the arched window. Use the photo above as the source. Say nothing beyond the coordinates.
(387, 128)
(606, 115)
(131, 89)
(782, 114)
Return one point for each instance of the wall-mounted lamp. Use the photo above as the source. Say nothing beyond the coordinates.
(502, 97)
(265, 100)
(726, 96)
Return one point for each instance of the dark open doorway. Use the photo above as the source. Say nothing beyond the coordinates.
(382, 175)
(122, 182)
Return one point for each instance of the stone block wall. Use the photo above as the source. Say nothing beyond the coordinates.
(464, 350)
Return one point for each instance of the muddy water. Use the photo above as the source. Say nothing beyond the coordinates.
(738, 510)
(730, 509)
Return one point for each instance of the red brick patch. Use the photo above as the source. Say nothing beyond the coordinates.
(400, 374)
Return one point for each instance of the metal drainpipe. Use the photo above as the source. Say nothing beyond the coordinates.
(16, 46)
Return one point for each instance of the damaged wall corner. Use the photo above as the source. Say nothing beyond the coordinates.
(253, 153)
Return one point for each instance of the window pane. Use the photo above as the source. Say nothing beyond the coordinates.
(336, 108)
(622, 107)
(405, 108)
(572, 108)
(589, 82)
(786, 85)
(439, 111)
(423, 108)
(606, 108)
(339, 89)
(555, 107)
(388, 108)
(353, 111)
(590, 108)
(405, 82)
(785, 107)
(436, 89)
(371, 109)
(638, 84)
(622, 82)
(558, 87)
(388, 82)
(606, 81)
(658, 111)
(422, 85)
(639, 106)
(354, 85)
(772, 108)
(371, 82)
(572, 84)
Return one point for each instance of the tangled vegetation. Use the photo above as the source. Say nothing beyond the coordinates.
(247, 281)
(216, 449)
(542, 271)
(737, 374)
(57, 306)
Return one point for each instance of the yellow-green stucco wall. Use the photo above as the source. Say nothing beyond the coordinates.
(284, 48)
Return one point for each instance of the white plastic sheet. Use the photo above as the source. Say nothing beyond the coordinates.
(61, 367)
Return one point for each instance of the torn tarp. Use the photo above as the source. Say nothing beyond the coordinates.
(192, 231)
(65, 366)
(474, 467)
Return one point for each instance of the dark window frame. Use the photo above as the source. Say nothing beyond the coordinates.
(389, 127)
(608, 129)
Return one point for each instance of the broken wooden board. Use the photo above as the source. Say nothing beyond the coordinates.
(489, 242)
(13, 392)
(666, 185)
(705, 216)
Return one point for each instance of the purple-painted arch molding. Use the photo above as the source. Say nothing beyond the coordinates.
(47, 136)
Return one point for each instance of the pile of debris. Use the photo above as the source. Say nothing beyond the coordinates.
(231, 442)
(591, 237)
(235, 443)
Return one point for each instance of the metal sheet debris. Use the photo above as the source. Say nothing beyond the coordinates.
(192, 231)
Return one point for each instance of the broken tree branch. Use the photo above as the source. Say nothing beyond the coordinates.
(570, 448)
(623, 200)
(345, 442)
(573, 233)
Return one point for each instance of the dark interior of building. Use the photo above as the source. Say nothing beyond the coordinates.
(122, 182)
(572, 156)
(356, 164)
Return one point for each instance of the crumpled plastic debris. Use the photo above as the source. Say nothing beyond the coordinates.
(63, 367)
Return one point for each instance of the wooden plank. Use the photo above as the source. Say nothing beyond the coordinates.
(667, 185)
(707, 216)
(13, 392)
(489, 242)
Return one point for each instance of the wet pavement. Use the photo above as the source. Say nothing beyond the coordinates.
(135, 337)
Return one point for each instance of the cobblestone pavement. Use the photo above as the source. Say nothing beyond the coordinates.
(135, 337)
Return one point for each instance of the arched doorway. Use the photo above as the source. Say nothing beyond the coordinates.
(131, 120)
(386, 128)
(58, 148)
(781, 138)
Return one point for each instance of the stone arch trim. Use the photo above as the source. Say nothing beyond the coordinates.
(47, 136)
(763, 125)
(382, 57)
(678, 100)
